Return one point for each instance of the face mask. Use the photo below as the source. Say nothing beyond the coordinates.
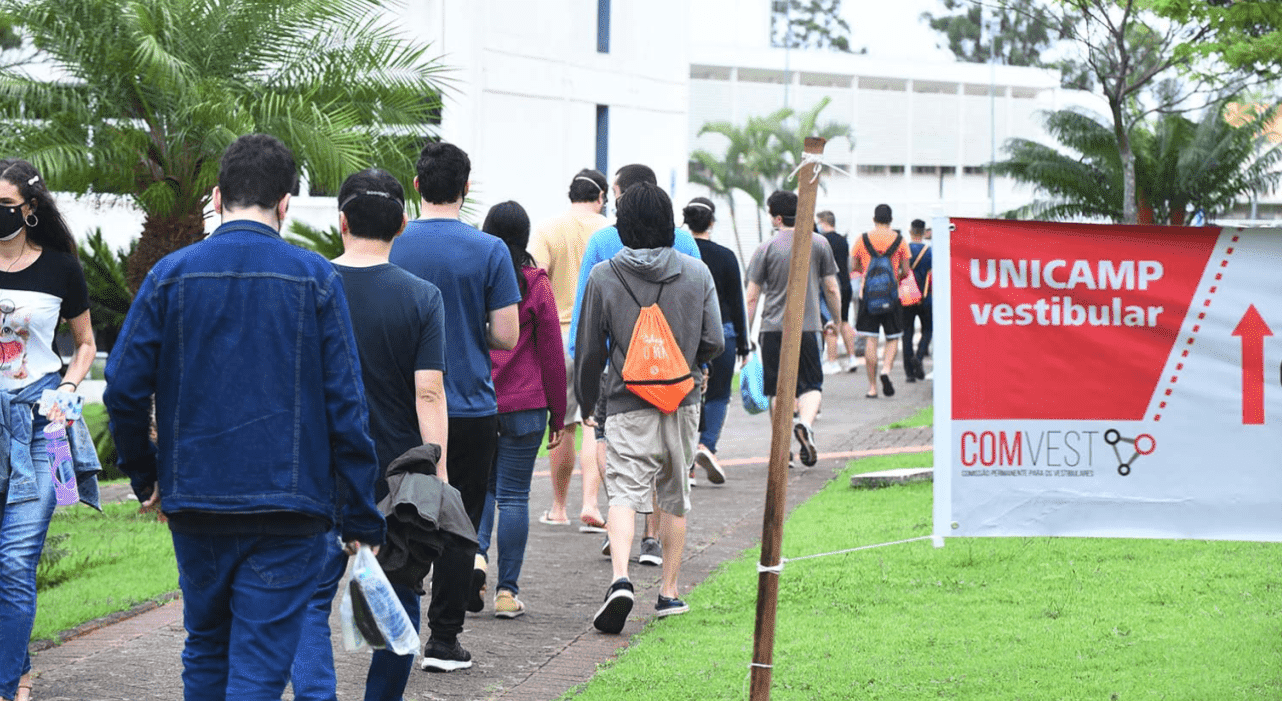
(11, 221)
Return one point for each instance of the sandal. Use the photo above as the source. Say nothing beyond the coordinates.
(547, 520)
(591, 524)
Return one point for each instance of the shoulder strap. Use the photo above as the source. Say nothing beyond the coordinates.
(920, 254)
(874, 253)
(629, 288)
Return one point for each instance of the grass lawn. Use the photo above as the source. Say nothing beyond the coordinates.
(999, 618)
(98, 564)
(924, 417)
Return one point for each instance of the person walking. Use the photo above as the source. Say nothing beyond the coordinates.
(41, 285)
(700, 216)
(530, 382)
(557, 246)
(245, 341)
(919, 260)
(478, 284)
(841, 327)
(881, 255)
(768, 278)
(648, 451)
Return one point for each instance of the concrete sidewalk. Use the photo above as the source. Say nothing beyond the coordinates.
(552, 648)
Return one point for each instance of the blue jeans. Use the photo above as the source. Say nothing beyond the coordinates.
(388, 671)
(22, 538)
(312, 673)
(245, 600)
(520, 433)
(717, 400)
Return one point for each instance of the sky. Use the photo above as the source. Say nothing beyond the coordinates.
(892, 28)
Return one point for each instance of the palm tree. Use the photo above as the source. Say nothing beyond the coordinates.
(140, 98)
(792, 140)
(1178, 162)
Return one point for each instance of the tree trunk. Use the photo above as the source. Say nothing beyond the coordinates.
(1144, 210)
(1123, 136)
(162, 235)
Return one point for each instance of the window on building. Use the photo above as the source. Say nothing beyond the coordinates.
(872, 170)
(602, 138)
(603, 26)
(973, 170)
(896, 170)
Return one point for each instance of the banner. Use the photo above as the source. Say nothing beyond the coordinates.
(1118, 381)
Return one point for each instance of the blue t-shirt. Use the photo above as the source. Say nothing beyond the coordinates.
(602, 247)
(474, 273)
(399, 324)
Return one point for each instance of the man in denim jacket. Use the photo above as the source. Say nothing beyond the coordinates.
(262, 430)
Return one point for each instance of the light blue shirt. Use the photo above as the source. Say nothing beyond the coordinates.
(601, 247)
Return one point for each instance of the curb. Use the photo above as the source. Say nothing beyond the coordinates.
(99, 623)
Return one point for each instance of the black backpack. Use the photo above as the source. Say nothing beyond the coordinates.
(881, 286)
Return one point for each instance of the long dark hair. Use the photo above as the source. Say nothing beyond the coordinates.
(50, 230)
(509, 222)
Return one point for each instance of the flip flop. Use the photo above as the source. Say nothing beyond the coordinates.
(870, 396)
(546, 520)
(591, 525)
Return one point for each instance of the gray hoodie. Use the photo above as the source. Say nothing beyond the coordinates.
(689, 303)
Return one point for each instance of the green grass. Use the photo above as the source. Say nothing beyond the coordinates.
(99, 564)
(924, 417)
(980, 619)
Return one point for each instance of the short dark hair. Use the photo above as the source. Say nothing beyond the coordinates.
(699, 214)
(917, 227)
(587, 185)
(881, 214)
(645, 217)
(443, 170)
(828, 218)
(257, 170)
(783, 203)
(373, 201)
(509, 222)
(634, 173)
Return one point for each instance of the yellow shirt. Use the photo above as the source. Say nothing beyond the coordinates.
(557, 246)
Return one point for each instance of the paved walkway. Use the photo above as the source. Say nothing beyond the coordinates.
(553, 648)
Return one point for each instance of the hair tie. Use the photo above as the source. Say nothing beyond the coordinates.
(372, 193)
(700, 204)
(594, 183)
(34, 179)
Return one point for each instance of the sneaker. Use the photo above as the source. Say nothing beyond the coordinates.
(831, 367)
(887, 387)
(506, 605)
(605, 546)
(910, 375)
(476, 600)
(439, 657)
(669, 606)
(613, 614)
(705, 459)
(651, 552)
(806, 438)
(920, 371)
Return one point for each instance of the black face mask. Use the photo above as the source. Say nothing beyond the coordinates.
(11, 221)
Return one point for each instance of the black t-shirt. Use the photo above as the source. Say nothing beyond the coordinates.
(32, 300)
(399, 322)
(724, 266)
(841, 251)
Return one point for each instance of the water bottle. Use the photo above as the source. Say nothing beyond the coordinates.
(397, 632)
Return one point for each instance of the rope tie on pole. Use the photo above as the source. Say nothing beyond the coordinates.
(817, 162)
(775, 570)
(762, 666)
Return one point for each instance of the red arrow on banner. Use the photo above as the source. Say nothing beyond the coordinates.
(1252, 329)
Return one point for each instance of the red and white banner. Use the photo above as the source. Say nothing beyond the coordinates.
(1108, 381)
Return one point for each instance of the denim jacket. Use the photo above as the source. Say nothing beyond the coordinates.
(246, 342)
(17, 469)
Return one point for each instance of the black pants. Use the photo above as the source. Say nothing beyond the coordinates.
(470, 457)
(918, 311)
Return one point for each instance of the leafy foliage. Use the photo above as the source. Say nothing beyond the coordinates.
(809, 24)
(1180, 163)
(146, 94)
(1245, 34)
(1020, 31)
(327, 242)
(109, 293)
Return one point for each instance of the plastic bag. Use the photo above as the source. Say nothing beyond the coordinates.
(752, 386)
(370, 613)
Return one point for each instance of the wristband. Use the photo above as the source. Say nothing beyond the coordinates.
(74, 386)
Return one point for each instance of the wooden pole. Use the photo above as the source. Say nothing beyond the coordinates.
(781, 433)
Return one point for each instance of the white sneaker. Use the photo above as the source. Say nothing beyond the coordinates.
(831, 367)
(705, 459)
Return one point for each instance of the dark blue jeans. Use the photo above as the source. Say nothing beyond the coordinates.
(717, 400)
(917, 311)
(520, 434)
(245, 601)
(388, 671)
(312, 673)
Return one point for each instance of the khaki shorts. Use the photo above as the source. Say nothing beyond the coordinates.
(649, 452)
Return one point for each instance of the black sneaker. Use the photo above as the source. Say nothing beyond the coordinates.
(669, 606)
(439, 657)
(919, 370)
(651, 552)
(887, 387)
(613, 614)
(476, 598)
(806, 438)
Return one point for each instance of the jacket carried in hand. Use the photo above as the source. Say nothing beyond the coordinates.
(246, 342)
